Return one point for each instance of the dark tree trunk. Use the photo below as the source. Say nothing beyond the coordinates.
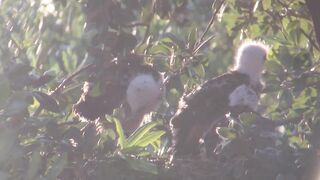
(313, 6)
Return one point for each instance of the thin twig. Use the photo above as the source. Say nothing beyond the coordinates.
(198, 46)
(158, 57)
(68, 79)
(61, 86)
(310, 39)
(213, 124)
(37, 112)
(196, 50)
(72, 122)
(145, 37)
(135, 24)
(213, 17)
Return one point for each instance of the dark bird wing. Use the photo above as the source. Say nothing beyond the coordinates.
(92, 107)
(200, 108)
(113, 83)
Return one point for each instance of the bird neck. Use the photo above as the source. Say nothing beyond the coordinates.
(252, 80)
(254, 75)
(252, 70)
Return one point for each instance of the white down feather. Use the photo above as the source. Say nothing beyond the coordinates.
(244, 96)
(144, 93)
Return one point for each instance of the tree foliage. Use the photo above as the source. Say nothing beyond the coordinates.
(50, 48)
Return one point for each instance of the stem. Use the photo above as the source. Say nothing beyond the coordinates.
(213, 17)
(68, 79)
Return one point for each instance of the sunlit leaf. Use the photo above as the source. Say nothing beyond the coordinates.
(150, 138)
(140, 133)
(247, 118)
(192, 38)
(200, 71)
(227, 133)
(122, 138)
(266, 4)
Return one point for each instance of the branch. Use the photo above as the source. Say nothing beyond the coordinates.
(145, 37)
(196, 50)
(68, 79)
(199, 44)
(62, 84)
(135, 24)
(213, 17)
(38, 111)
(313, 42)
(313, 6)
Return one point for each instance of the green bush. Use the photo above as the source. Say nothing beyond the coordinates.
(48, 47)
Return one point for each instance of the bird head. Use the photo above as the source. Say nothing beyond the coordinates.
(144, 94)
(250, 58)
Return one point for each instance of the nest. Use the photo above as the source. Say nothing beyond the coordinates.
(196, 169)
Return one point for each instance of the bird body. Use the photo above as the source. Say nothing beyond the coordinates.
(235, 91)
(143, 95)
(199, 108)
(142, 91)
(127, 83)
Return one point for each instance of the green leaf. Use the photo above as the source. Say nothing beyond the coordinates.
(150, 138)
(141, 165)
(139, 133)
(134, 150)
(173, 95)
(167, 43)
(27, 42)
(200, 71)
(46, 101)
(247, 118)
(160, 49)
(227, 133)
(266, 4)
(192, 38)
(274, 67)
(122, 138)
(285, 99)
(175, 39)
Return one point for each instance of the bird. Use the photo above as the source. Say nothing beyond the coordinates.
(233, 92)
(144, 94)
(127, 83)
